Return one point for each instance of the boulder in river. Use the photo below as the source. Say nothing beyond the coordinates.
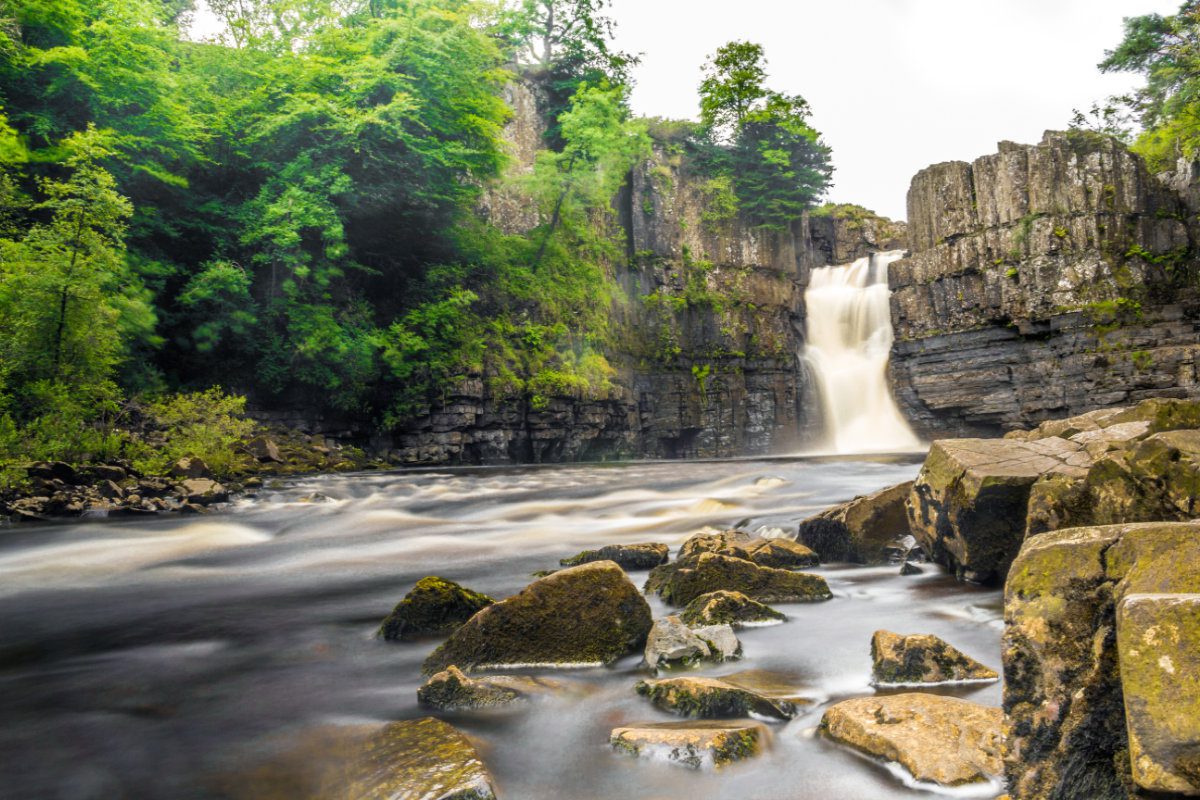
(712, 698)
(938, 739)
(590, 614)
(673, 645)
(967, 507)
(434, 607)
(451, 690)
(922, 658)
(728, 608)
(699, 744)
(626, 556)
(777, 552)
(858, 531)
(203, 491)
(682, 582)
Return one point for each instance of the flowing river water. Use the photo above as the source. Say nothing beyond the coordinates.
(163, 658)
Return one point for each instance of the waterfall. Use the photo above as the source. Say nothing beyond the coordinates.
(849, 339)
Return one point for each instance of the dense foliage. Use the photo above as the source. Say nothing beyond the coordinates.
(290, 210)
(1166, 50)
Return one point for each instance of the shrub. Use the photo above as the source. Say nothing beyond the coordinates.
(207, 425)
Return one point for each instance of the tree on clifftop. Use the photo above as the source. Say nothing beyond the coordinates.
(760, 139)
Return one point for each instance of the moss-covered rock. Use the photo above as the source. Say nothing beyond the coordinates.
(782, 554)
(921, 658)
(938, 739)
(1162, 413)
(728, 608)
(1159, 645)
(434, 607)
(734, 543)
(696, 744)
(451, 690)
(589, 614)
(777, 553)
(626, 556)
(684, 581)
(712, 698)
(858, 531)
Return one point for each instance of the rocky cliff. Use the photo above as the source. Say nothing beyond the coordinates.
(709, 319)
(1042, 280)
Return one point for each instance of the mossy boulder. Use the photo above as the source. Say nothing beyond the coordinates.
(451, 690)
(422, 758)
(1158, 639)
(684, 581)
(734, 543)
(968, 506)
(728, 608)
(782, 554)
(777, 553)
(434, 607)
(699, 744)
(626, 556)
(938, 739)
(1162, 414)
(860, 530)
(921, 658)
(712, 698)
(590, 614)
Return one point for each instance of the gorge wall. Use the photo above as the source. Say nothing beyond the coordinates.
(709, 322)
(1043, 281)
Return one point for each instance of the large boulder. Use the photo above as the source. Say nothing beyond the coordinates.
(626, 556)
(938, 739)
(712, 698)
(1067, 731)
(203, 491)
(697, 744)
(921, 658)
(776, 552)
(728, 608)
(422, 758)
(264, 449)
(860, 530)
(967, 507)
(682, 582)
(589, 614)
(434, 607)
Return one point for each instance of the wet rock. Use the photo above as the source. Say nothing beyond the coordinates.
(434, 607)
(684, 581)
(728, 608)
(776, 553)
(782, 554)
(859, 531)
(921, 658)
(909, 568)
(712, 698)
(203, 491)
(53, 471)
(1158, 640)
(968, 506)
(451, 690)
(697, 744)
(189, 467)
(626, 556)
(590, 614)
(673, 645)
(264, 449)
(1066, 722)
(735, 543)
(938, 739)
(721, 640)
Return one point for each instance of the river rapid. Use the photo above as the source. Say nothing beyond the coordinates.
(162, 658)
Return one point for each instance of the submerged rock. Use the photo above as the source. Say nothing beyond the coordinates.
(434, 607)
(684, 581)
(671, 644)
(451, 690)
(589, 614)
(858, 531)
(626, 556)
(712, 698)
(938, 739)
(728, 608)
(692, 744)
(921, 658)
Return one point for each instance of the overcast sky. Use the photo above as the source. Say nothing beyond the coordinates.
(895, 85)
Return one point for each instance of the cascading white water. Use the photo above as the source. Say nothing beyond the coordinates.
(849, 340)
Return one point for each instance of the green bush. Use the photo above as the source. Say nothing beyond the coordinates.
(208, 425)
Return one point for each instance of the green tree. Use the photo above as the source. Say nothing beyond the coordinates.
(734, 84)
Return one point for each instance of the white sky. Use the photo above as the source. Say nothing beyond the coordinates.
(895, 85)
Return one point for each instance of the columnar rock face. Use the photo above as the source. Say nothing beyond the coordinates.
(1043, 280)
(1100, 663)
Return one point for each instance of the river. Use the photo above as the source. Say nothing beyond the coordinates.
(158, 658)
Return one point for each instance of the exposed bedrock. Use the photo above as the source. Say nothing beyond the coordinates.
(1044, 280)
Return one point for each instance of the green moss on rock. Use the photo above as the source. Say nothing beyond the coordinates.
(728, 608)
(626, 556)
(589, 614)
(434, 607)
(711, 573)
(712, 698)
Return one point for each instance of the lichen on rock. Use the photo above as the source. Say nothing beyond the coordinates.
(921, 659)
(712, 698)
(434, 607)
(728, 608)
(682, 582)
